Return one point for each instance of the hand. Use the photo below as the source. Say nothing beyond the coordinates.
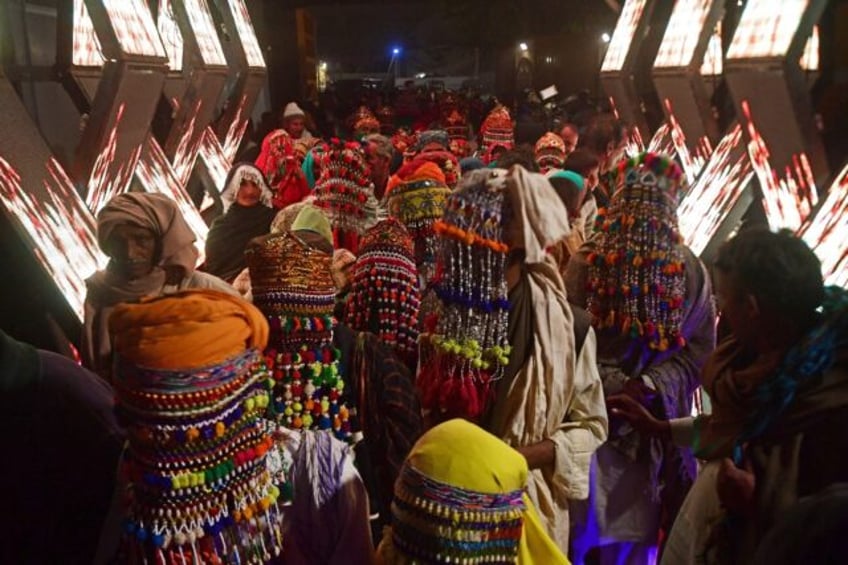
(736, 486)
(624, 406)
(640, 392)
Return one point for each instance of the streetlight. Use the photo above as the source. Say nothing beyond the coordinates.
(396, 51)
(523, 46)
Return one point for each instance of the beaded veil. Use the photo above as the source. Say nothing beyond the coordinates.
(466, 345)
(294, 288)
(636, 277)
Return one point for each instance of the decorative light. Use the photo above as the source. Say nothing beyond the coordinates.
(682, 33)
(247, 35)
(523, 46)
(605, 37)
(827, 232)
(622, 35)
(787, 199)
(764, 30)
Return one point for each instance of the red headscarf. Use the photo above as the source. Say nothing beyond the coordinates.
(278, 162)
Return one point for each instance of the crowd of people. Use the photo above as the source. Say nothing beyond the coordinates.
(423, 339)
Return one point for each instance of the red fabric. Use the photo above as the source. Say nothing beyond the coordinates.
(278, 162)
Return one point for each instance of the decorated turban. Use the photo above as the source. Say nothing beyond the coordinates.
(365, 122)
(191, 388)
(636, 277)
(294, 288)
(460, 498)
(497, 131)
(384, 297)
(432, 140)
(345, 192)
(465, 345)
(418, 200)
(550, 152)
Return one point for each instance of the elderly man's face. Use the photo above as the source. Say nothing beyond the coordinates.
(132, 250)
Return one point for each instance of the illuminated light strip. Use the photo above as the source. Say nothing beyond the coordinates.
(766, 28)
(661, 141)
(216, 163)
(102, 187)
(810, 58)
(170, 34)
(713, 64)
(134, 28)
(622, 36)
(186, 154)
(715, 192)
(86, 47)
(204, 32)
(682, 33)
(634, 143)
(787, 200)
(59, 227)
(235, 133)
(827, 232)
(156, 175)
(692, 163)
(247, 35)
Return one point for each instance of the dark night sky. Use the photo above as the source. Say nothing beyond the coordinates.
(360, 35)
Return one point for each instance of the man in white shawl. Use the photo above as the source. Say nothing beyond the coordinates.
(549, 404)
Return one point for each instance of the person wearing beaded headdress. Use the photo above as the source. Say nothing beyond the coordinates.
(457, 128)
(191, 387)
(384, 298)
(417, 198)
(345, 192)
(248, 211)
(151, 252)
(650, 301)
(498, 134)
(550, 152)
(778, 388)
(506, 349)
(327, 376)
(461, 483)
(364, 123)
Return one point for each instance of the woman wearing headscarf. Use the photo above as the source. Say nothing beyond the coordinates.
(151, 251)
(248, 213)
(279, 162)
(460, 483)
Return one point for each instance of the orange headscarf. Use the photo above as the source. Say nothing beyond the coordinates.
(194, 328)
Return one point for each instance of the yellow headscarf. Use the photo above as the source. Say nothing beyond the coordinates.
(457, 461)
(193, 328)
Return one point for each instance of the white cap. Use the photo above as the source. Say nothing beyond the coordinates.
(292, 110)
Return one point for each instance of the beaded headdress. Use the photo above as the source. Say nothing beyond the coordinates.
(456, 126)
(497, 131)
(466, 343)
(365, 122)
(550, 152)
(294, 289)
(636, 277)
(345, 191)
(384, 297)
(418, 201)
(432, 140)
(403, 141)
(196, 464)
